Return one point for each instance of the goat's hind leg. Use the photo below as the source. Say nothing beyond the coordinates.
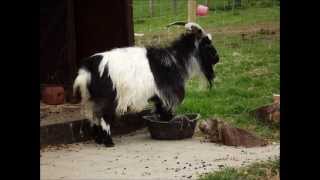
(106, 133)
(97, 134)
(101, 128)
(102, 133)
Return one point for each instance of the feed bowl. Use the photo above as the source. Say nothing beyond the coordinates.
(179, 127)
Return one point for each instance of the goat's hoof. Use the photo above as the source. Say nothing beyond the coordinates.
(98, 140)
(109, 144)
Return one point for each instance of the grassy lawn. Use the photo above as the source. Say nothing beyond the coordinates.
(249, 69)
(246, 78)
(164, 14)
(268, 170)
(248, 42)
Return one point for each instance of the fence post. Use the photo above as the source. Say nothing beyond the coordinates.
(174, 5)
(192, 6)
(151, 8)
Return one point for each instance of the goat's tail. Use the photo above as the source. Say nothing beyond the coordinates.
(81, 84)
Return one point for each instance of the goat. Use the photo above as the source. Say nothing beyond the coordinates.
(127, 79)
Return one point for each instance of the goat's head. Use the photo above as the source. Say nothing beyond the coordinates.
(206, 54)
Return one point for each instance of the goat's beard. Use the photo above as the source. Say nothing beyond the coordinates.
(200, 82)
(204, 76)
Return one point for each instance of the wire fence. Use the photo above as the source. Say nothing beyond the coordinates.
(151, 17)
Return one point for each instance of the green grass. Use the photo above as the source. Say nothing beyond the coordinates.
(164, 15)
(247, 75)
(240, 17)
(257, 171)
(249, 70)
(246, 78)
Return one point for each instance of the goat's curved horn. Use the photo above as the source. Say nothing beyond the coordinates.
(179, 23)
(191, 26)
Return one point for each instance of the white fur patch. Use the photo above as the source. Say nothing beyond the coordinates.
(105, 126)
(194, 68)
(102, 64)
(190, 24)
(209, 36)
(81, 81)
(83, 78)
(131, 76)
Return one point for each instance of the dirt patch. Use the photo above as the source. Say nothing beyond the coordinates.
(137, 156)
(269, 28)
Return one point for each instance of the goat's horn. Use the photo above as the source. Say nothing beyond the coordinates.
(179, 23)
(191, 25)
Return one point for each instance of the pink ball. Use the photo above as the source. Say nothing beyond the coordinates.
(202, 10)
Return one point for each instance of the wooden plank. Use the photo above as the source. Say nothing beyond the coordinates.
(128, 9)
(192, 6)
(71, 42)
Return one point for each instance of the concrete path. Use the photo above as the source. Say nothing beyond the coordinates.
(137, 156)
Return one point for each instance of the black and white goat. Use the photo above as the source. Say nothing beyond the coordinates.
(127, 79)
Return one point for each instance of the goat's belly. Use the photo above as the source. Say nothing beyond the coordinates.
(134, 99)
(131, 77)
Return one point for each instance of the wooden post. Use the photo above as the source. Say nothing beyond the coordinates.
(174, 5)
(71, 42)
(151, 8)
(129, 21)
(237, 3)
(209, 4)
(192, 6)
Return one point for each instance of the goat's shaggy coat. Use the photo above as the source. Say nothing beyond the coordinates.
(126, 79)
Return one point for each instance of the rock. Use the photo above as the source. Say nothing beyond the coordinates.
(220, 132)
(269, 113)
(276, 98)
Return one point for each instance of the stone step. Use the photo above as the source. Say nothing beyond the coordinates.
(59, 127)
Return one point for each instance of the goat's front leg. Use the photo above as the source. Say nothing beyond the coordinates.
(165, 114)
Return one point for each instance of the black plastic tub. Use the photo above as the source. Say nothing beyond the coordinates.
(180, 127)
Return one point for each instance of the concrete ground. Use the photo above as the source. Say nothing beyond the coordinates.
(137, 156)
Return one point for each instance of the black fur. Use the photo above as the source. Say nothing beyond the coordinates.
(208, 57)
(169, 67)
(103, 95)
